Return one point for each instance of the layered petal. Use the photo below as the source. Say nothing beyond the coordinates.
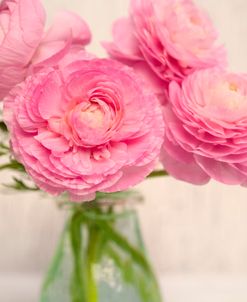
(206, 124)
(68, 32)
(22, 25)
(75, 127)
(173, 38)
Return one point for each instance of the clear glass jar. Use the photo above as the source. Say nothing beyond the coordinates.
(101, 258)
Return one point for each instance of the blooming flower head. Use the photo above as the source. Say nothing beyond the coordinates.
(21, 30)
(68, 33)
(88, 126)
(174, 38)
(25, 46)
(206, 126)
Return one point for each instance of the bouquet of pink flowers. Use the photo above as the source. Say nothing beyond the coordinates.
(89, 129)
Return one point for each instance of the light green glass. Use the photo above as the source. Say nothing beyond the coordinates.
(101, 258)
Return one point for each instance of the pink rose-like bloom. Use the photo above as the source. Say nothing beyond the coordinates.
(68, 34)
(206, 128)
(25, 46)
(90, 126)
(21, 30)
(125, 49)
(174, 37)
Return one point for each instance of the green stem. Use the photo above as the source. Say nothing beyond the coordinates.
(84, 282)
(136, 277)
(138, 256)
(159, 173)
(110, 217)
(123, 243)
(78, 282)
(91, 260)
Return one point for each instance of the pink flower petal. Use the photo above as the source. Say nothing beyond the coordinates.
(52, 141)
(50, 101)
(26, 20)
(75, 127)
(68, 24)
(125, 45)
(220, 171)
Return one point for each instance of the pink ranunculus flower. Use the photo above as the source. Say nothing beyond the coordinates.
(68, 33)
(174, 37)
(125, 49)
(21, 30)
(26, 47)
(89, 126)
(206, 128)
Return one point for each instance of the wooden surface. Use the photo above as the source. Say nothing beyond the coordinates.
(187, 229)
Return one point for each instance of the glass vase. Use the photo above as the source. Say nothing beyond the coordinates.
(101, 258)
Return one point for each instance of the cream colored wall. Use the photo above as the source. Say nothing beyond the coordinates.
(187, 228)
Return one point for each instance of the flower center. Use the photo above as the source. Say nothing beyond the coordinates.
(225, 100)
(233, 86)
(189, 29)
(227, 95)
(91, 122)
(92, 116)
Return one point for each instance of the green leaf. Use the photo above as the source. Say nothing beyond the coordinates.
(13, 165)
(20, 186)
(3, 127)
(3, 153)
(158, 173)
(3, 146)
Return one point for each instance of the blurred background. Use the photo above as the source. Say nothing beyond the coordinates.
(196, 236)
